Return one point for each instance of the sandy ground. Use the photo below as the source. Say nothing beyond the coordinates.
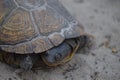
(100, 18)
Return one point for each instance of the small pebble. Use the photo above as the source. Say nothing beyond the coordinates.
(114, 50)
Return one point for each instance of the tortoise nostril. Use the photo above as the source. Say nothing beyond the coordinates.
(58, 57)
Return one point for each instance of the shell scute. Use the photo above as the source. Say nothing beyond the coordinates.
(17, 28)
(41, 44)
(6, 6)
(48, 21)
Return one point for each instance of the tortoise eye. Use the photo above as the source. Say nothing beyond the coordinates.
(58, 57)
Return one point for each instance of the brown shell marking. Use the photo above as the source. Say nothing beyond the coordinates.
(41, 44)
(48, 21)
(20, 48)
(18, 28)
(6, 7)
(37, 45)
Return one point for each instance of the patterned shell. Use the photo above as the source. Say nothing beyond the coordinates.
(34, 26)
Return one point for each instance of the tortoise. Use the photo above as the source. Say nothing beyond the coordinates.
(35, 32)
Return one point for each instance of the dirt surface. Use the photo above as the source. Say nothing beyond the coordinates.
(100, 18)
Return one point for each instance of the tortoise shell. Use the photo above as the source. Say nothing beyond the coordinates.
(34, 26)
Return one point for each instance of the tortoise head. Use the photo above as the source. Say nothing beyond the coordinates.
(57, 55)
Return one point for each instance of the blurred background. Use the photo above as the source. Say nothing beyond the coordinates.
(100, 18)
